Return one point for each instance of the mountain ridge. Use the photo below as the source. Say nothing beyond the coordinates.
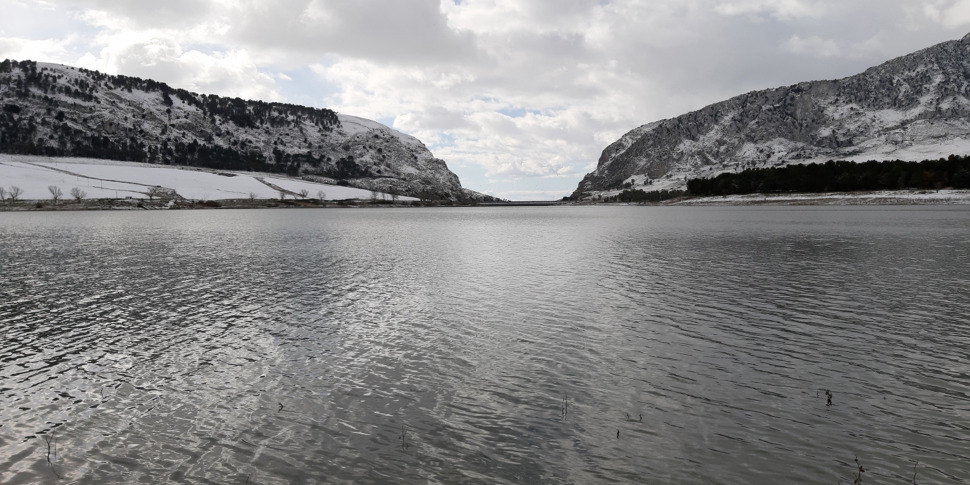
(915, 106)
(56, 110)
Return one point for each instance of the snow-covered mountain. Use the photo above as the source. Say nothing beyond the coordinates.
(911, 108)
(56, 110)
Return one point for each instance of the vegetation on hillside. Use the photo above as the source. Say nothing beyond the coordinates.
(642, 196)
(841, 176)
(54, 133)
(832, 176)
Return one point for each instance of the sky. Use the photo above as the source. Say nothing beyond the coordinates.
(519, 97)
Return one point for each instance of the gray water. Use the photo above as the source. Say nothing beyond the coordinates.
(499, 345)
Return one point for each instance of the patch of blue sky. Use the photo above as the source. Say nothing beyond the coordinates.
(520, 112)
(444, 140)
(516, 112)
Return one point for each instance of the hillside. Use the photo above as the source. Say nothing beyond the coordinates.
(912, 108)
(55, 110)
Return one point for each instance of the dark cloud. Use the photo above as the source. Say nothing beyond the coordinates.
(388, 31)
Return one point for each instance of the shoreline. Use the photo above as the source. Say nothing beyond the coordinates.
(944, 197)
(144, 205)
(947, 197)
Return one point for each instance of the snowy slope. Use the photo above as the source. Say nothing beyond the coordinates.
(353, 125)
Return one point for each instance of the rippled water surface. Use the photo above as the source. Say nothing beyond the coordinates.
(520, 345)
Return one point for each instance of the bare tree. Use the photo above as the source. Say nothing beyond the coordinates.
(304, 193)
(3, 195)
(14, 193)
(56, 193)
(252, 197)
(282, 194)
(322, 196)
(154, 191)
(78, 194)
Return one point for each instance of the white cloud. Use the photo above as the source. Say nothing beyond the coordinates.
(121, 46)
(230, 73)
(813, 46)
(44, 49)
(949, 13)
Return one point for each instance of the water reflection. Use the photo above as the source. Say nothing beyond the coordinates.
(443, 345)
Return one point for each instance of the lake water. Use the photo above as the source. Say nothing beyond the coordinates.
(474, 345)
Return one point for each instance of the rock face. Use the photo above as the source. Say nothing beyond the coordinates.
(55, 110)
(911, 108)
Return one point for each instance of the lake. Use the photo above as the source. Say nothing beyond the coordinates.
(486, 345)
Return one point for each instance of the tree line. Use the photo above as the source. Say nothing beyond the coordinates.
(832, 176)
(50, 129)
(641, 196)
(840, 176)
(243, 113)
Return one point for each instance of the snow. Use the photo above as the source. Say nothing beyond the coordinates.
(332, 192)
(34, 180)
(114, 179)
(882, 150)
(707, 141)
(627, 140)
(353, 125)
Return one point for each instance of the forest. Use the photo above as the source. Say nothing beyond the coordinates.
(832, 176)
(840, 176)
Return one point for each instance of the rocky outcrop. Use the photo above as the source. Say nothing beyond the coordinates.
(913, 107)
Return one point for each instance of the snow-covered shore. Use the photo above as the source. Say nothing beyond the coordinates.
(884, 197)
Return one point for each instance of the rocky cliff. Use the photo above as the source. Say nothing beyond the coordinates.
(911, 108)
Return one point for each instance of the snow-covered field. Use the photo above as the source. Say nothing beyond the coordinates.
(110, 179)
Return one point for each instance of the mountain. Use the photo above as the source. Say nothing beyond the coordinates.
(56, 110)
(913, 107)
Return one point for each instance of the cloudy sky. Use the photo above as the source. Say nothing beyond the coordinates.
(518, 96)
